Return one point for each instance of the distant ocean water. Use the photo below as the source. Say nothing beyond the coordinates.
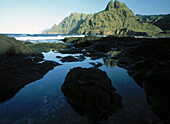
(39, 38)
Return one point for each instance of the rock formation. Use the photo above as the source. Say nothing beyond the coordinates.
(90, 93)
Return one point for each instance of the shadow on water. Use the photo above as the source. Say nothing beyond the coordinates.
(157, 89)
(148, 64)
(91, 94)
(16, 71)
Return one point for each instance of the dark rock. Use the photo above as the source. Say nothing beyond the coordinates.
(59, 57)
(148, 63)
(81, 58)
(96, 65)
(70, 50)
(69, 59)
(90, 93)
(73, 59)
(95, 55)
(20, 70)
(38, 57)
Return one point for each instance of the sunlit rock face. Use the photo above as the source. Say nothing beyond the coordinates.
(117, 19)
(90, 93)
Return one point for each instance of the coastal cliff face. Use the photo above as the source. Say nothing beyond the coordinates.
(70, 24)
(117, 19)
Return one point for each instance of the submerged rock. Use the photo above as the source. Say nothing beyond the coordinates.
(91, 94)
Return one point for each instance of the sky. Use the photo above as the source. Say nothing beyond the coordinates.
(32, 16)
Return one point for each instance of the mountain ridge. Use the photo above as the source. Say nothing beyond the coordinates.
(115, 19)
(70, 24)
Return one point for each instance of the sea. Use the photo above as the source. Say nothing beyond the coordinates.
(41, 38)
(42, 101)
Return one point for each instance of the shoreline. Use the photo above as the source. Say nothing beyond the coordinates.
(145, 59)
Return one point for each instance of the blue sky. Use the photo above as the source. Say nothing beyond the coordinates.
(31, 16)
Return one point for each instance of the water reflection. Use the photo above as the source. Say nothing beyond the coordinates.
(110, 62)
(90, 93)
(155, 85)
(18, 71)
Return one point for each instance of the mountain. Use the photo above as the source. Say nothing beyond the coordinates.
(117, 19)
(70, 24)
(164, 23)
(44, 30)
(161, 21)
(150, 18)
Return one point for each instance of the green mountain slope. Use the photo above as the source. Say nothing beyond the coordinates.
(150, 18)
(117, 19)
(164, 23)
(70, 24)
(161, 21)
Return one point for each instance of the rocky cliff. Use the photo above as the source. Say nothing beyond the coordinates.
(117, 19)
(70, 24)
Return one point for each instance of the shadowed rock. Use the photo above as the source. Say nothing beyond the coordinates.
(73, 59)
(91, 94)
(20, 70)
(69, 59)
(148, 63)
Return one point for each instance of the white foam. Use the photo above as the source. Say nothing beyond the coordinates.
(45, 38)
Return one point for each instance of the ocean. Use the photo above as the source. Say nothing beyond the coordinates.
(41, 38)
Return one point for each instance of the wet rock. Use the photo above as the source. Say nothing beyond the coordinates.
(96, 65)
(69, 59)
(70, 50)
(81, 58)
(59, 57)
(148, 64)
(73, 59)
(20, 70)
(95, 55)
(91, 94)
(38, 58)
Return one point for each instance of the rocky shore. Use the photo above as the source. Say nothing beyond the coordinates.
(147, 61)
(20, 70)
(20, 64)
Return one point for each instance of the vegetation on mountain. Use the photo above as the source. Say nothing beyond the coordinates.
(150, 18)
(162, 21)
(117, 19)
(70, 24)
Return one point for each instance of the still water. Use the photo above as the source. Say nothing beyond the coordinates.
(43, 102)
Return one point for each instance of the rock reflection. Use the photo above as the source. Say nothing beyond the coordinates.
(148, 63)
(110, 62)
(91, 94)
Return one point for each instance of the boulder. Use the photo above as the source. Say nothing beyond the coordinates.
(69, 59)
(90, 93)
